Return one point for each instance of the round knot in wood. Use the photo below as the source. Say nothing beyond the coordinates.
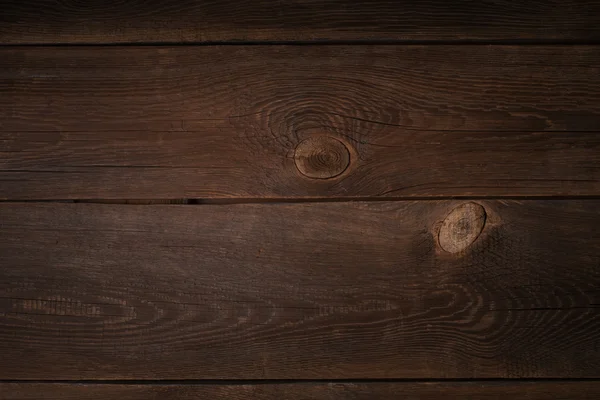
(321, 157)
(462, 227)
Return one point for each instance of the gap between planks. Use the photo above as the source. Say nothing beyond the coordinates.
(367, 42)
(233, 382)
(233, 201)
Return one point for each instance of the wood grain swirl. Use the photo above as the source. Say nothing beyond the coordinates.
(225, 122)
(188, 21)
(297, 291)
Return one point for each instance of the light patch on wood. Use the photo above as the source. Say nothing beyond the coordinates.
(462, 227)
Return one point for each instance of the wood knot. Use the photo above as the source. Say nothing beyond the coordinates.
(462, 227)
(321, 157)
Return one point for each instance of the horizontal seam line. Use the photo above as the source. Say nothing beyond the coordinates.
(283, 200)
(324, 42)
(232, 382)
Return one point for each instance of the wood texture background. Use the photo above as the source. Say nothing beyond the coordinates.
(155, 21)
(299, 199)
(224, 122)
(297, 291)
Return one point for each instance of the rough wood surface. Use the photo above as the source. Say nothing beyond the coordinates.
(227, 121)
(309, 391)
(155, 21)
(297, 291)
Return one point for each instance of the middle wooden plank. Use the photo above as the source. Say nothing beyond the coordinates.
(299, 121)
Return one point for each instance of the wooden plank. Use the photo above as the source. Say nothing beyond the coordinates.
(308, 391)
(136, 201)
(299, 122)
(299, 291)
(114, 21)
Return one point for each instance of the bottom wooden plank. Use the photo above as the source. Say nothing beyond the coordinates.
(308, 391)
(365, 290)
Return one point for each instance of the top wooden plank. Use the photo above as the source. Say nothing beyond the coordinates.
(193, 21)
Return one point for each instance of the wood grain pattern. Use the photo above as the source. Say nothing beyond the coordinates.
(117, 21)
(225, 122)
(297, 291)
(309, 391)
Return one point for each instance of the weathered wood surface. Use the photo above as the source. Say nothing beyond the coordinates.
(299, 291)
(299, 122)
(159, 21)
(308, 391)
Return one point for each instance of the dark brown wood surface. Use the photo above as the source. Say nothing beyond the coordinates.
(308, 391)
(156, 21)
(187, 199)
(299, 291)
(299, 122)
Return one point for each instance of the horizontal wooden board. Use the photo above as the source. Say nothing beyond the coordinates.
(114, 21)
(299, 291)
(299, 122)
(308, 391)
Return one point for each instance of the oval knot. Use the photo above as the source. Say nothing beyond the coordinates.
(462, 227)
(321, 157)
